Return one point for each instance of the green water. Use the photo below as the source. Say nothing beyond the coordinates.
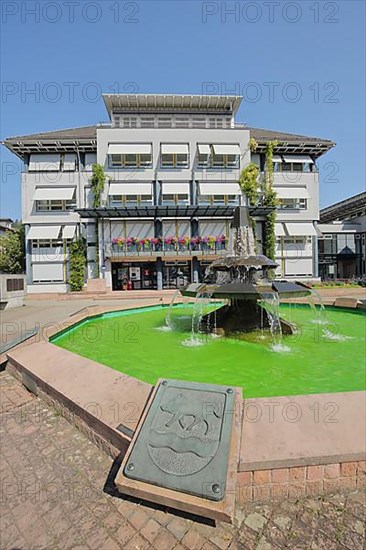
(131, 342)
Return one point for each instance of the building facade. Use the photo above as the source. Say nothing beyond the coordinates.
(172, 166)
(342, 244)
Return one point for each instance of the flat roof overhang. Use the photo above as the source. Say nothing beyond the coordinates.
(169, 212)
(21, 148)
(316, 149)
(156, 103)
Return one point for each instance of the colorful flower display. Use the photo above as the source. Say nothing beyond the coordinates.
(196, 242)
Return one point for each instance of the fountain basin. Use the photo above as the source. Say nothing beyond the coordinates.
(130, 342)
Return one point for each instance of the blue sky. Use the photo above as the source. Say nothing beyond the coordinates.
(299, 65)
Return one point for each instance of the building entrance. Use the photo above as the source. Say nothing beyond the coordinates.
(134, 276)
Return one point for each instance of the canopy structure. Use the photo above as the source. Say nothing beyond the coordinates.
(44, 232)
(68, 231)
(292, 192)
(129, 149)
(231, 149)
(174, 149)
(301, 229)
(204, 149)
(130, 189)
(222, 188)
(54, 193)
(303, 159)
(176, 188)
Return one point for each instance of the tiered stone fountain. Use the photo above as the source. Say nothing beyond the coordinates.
(242, 278)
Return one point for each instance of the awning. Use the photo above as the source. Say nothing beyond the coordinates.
(220, 189)
(45, 162)
(279, 230)
(69, 161)
(304, 159)
(232, 149)
(68, 231)
(129, 149)
(130, 189)
(292, 192)
(174, 149)
(300, 229)
(45, 232)
(204, 149)
(176, 188)
(54, 193)
(276, 158)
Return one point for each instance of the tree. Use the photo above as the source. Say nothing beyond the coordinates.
(12, 255)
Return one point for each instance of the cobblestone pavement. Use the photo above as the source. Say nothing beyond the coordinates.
(56, 494)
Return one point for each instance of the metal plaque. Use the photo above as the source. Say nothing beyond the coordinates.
(184, 441)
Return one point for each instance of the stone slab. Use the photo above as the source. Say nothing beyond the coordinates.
(222, 510)
(280, 432)
(185, 439)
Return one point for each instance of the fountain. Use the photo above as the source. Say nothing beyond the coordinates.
(242, 278)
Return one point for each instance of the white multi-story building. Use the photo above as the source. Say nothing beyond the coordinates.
(172, 164)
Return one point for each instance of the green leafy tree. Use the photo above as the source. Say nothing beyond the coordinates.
(77, 265)
(12, 253)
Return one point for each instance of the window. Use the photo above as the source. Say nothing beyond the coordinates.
(231, 161)
(130, 161)
(181, 122)
(295, 167)
(224, 161)
(204, 199)
(203, 160)
(147, 122)
(169, 160)
(198, 122)
(181, 160)
(49, 243)
(218, 199)
(298, 204)
(218, 161)
(232, 199)
(55, 205)
(128, 122)
(176, 199)
(164, 122)
(129, 200)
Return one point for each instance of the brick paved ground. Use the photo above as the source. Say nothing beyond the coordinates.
(55, 494)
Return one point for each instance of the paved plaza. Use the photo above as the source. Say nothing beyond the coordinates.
(57, 492)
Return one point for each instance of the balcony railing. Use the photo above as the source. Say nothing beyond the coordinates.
(163, 249)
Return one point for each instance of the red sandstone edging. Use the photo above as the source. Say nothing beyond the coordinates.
(301, 481)
(272, 453)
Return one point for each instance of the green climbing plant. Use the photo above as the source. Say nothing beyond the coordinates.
(97, 181)
(248, 182)
(97, 184)
(269, 199)
(77, 265)
(253, 144)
